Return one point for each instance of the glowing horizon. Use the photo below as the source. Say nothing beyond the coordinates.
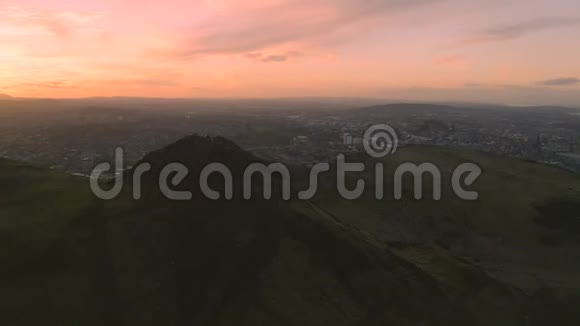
(499, 51)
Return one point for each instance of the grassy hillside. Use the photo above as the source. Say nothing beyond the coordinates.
(505, 259)
(522, 229)
(46, 228)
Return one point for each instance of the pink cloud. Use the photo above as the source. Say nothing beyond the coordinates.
(53, 22)
(451, 60)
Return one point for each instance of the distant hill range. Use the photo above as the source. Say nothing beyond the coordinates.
(457, 107)
(271, 104)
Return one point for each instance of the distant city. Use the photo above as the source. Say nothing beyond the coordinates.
(82, 134)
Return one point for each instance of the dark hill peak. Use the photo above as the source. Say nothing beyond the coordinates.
(197, 151)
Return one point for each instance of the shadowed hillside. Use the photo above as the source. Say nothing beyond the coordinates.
(50, 249)
(260, 262)
(275, 263)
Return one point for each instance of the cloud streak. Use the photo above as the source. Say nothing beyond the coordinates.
(515, 31)
(289, 21)
(567, 81)
(276, 57)
(154, 82)
(56, 23)
(51, 84)
(451, 60)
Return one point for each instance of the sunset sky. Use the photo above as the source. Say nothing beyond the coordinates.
(511, 51)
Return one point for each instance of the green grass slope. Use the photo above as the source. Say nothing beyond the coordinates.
(523, 229)
(45, 233)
